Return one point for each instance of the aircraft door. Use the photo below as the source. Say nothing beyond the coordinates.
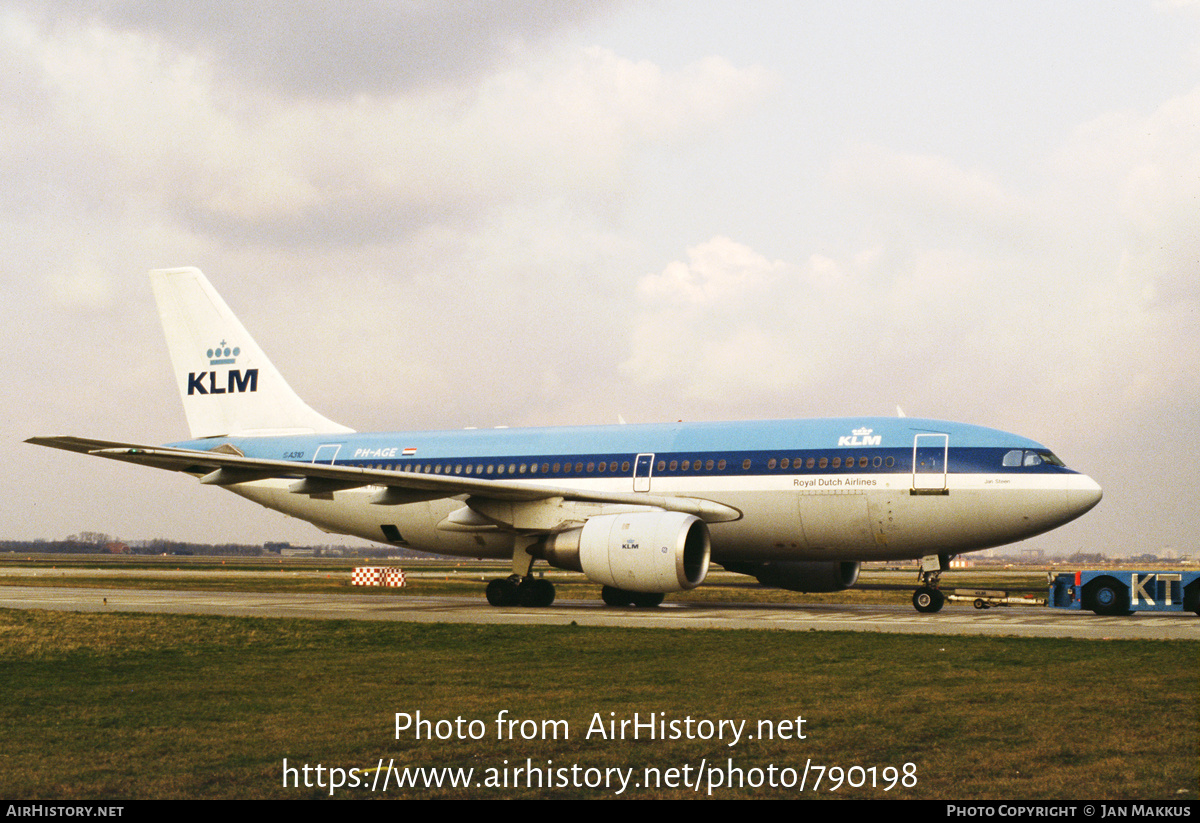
(327, 453)
(642, 467)
(930, 453)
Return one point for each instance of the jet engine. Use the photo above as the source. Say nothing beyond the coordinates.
(636, 552)
(801, 575)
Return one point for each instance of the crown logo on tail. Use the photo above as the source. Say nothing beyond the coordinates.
(222, 354)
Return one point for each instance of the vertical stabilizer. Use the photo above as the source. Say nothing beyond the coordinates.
(228, 385)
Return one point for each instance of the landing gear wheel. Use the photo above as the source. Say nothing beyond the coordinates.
(537, 593)
(503, 591)
(927, 600)
(613, 596)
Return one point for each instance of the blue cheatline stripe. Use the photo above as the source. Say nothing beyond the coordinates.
(849, 461)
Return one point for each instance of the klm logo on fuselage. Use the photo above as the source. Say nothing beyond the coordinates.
(232, 382)
(861, 437)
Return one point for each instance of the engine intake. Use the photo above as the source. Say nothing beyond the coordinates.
(637, 552)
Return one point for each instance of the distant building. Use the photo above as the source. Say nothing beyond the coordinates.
(309, 552)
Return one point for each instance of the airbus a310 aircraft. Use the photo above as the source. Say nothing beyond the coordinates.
(641, 509)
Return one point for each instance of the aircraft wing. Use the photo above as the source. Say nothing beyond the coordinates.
(226, 467)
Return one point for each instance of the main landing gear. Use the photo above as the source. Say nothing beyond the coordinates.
(530, 591)
(928, 598)
(619, 597)
(521, 588)
(537, 592)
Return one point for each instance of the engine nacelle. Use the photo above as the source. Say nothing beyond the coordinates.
(637, 552)
(805, 576)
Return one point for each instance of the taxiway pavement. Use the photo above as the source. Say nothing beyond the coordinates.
(954, 619)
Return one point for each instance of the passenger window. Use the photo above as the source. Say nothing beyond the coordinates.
(837, 463)
(771, 463)
(745, 464)
(720, 465)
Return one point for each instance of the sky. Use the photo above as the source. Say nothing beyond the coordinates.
(529, 212)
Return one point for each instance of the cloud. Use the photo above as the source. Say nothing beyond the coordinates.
(925, 187)
(129, 118)
(321, 49)
(717, 271)
(719, 323)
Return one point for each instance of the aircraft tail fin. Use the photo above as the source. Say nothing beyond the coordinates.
(228, 385)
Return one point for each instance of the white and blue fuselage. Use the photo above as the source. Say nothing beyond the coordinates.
(828, 489)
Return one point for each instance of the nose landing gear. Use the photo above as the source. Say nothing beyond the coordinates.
(928, 598)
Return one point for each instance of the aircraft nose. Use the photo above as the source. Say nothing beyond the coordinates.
(1084, 494)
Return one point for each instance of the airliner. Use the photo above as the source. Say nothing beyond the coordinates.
(640, 509)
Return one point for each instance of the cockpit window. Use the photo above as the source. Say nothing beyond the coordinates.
(1030, 457)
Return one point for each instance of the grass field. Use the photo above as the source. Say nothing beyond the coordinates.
(113, 706)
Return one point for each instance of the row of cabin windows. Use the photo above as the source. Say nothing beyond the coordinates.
(832, 463)
(695, 465)
(623, 467)
(509, 468)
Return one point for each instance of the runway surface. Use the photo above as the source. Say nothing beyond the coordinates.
(954, 619)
